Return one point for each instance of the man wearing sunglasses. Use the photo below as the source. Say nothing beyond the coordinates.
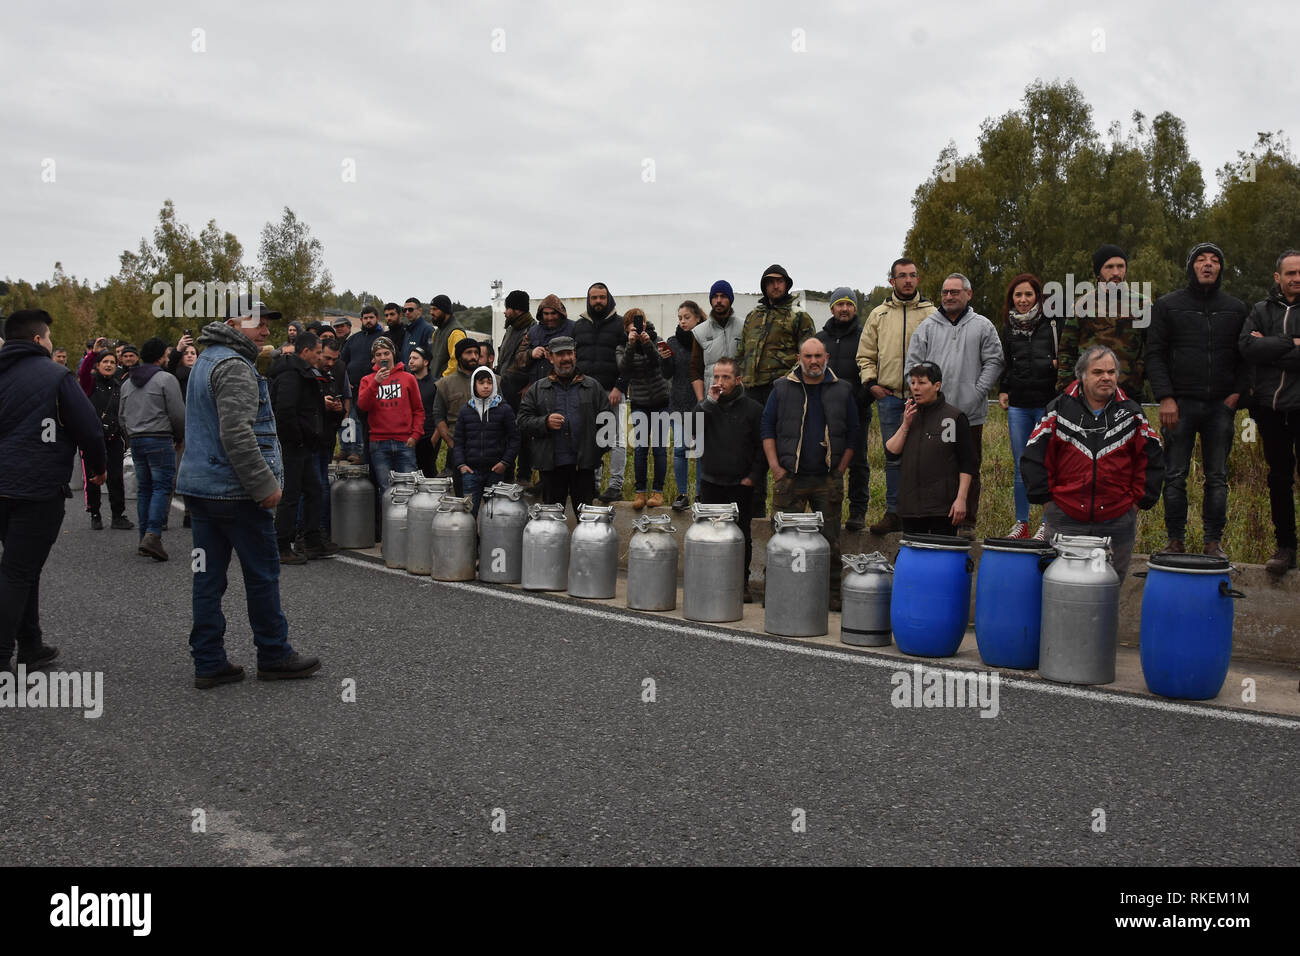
(417, 331)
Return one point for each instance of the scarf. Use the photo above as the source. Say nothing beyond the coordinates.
(1023, 323)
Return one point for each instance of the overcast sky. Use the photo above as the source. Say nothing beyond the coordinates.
(778, 131)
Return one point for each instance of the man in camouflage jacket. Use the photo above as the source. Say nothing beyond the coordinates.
(1113, 316)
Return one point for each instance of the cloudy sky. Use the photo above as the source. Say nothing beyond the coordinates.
(655, 146)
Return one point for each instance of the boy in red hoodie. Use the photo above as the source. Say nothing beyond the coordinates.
(390, 397)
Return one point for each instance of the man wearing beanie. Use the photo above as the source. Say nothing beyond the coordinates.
(1110, 315)
(1197, 375)
(447, 333)
(719, 337)
(128, 357)
(152, 418)
(454, 391)
(769, 347)
(390, 397)
(426, 449)
(841, 335)
(598, 333)
(512, 365)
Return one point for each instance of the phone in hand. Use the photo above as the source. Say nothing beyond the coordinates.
(638, 323)
(385, 364)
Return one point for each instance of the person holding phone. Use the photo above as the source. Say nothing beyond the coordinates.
(390, 398)
(937, 460)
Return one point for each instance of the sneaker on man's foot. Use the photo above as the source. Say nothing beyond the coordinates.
(41, 657)
(1019, 530)
(611, 494)
(326, 550)
(857, 521)
(888, 524)
(1041, 533)
(681, 503)
(1175, 546)
(96, 523)
(288, 668)
(1283, 560)
(120, 523)
(1214, 550)
(230, 674)
(289, 556)
(151, 546)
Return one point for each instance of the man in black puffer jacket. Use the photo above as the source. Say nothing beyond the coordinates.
(299, 406)
(599, 332)
(1270, 344)
(44, 418)
(1197, 376)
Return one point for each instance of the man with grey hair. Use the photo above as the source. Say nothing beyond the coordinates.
(1094, 460)
(966, 347)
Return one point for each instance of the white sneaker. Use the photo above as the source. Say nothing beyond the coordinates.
(1041, 533)
(1018, 530)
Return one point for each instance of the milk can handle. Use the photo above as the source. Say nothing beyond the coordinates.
(1230, 592)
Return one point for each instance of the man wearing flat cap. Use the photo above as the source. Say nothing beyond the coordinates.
(562, 414)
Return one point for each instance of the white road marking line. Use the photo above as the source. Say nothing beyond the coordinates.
(893, 664)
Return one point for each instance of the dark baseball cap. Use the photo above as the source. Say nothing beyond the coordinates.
(244, 306)
(563, 343)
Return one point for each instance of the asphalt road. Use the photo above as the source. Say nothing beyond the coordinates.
(473, 707)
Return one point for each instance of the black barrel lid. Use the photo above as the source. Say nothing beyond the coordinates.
(1028, 545)
(948, 542)
(1197, 563)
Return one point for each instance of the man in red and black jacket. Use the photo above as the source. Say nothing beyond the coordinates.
(1094, 460)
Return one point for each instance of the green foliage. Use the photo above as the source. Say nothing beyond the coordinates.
(478, 319)
(292, 263)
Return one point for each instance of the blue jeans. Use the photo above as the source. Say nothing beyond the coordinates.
(322, 463)
(221, 526)
(387, 457)
(649, 423)
(1213, 421)
(1020, 422)
(155, 476)
(681, 465)
(473, 483)
(890, 410)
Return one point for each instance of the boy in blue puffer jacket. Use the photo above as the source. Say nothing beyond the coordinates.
(487, 438)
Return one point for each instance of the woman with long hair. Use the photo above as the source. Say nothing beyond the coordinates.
(1030, 342)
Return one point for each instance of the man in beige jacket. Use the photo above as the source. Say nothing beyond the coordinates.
(882, 352)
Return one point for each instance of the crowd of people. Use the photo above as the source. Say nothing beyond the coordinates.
(255, 433)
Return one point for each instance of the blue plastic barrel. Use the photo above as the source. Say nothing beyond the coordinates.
(1009, 601)
(930, 603)
(1186, 625)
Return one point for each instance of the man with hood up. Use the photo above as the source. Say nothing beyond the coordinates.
(599, 332)
(809, 427)
(1197, 376)
(769, 347)
(230, 474)
(152, 416)
(487, 437)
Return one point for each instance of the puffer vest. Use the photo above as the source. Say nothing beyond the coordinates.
(205, 470)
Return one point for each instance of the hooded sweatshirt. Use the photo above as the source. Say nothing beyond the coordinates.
(969, 355)
(770, 339)
(393, 410)
(540, 336)
(1192, 342)
(486, 432)
(152, 405)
